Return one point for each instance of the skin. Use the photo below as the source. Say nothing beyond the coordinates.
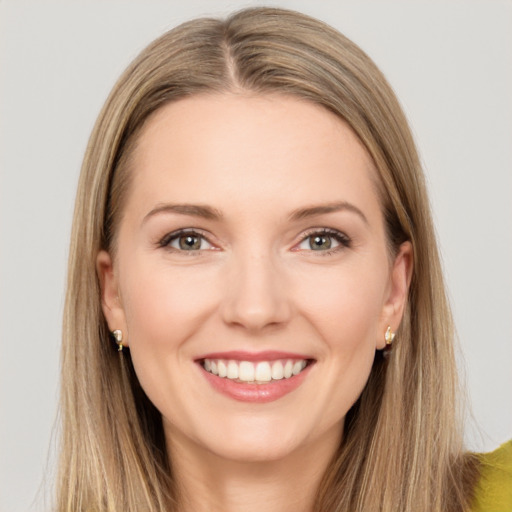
(254, 284)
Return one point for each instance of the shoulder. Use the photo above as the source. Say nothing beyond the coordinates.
(493, 492)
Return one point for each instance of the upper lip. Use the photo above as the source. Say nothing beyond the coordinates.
(239, 355)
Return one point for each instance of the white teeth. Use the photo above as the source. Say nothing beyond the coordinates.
(297, 368)
(263, 372)
(246, 371)
(277, 370)
(260, 372)
(221, 367)
(288, 367)
(232, 370)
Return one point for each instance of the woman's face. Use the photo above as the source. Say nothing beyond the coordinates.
(252, 246)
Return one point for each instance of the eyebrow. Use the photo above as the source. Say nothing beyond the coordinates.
(194, 210)
(312, 211)
(207, 212)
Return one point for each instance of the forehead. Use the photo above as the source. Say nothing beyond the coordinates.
(242, 145)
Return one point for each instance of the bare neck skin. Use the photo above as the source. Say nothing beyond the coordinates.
(209, 483)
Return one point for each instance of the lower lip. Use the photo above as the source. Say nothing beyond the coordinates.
(256, 393)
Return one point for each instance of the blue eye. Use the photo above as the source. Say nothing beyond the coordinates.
(186, 241)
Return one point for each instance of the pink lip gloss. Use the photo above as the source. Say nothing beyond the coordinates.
(247, 390)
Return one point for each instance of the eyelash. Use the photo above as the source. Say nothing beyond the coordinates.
(343, 240)
(175, 235)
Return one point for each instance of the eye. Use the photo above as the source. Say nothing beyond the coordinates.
(324, 240)
(186, 241)
(320, 242)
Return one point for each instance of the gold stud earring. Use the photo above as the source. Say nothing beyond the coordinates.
(118, 336)
(389, 336)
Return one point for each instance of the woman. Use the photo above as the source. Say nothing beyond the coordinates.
(256, 315)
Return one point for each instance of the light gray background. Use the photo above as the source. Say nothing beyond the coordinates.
(450, 64)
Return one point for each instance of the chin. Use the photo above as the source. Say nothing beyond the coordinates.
(270, 439)
(251, 450)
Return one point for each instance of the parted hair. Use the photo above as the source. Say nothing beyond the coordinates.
(402, 446)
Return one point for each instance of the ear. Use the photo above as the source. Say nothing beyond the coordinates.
(398, 289)
(110, 301)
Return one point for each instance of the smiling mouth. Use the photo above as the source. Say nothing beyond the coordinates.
(261, 372)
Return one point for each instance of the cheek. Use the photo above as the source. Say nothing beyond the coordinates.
(164, 308)
(345, 304)
(347, 319)
(162, 303)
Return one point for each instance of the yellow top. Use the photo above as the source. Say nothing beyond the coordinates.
(493, 492)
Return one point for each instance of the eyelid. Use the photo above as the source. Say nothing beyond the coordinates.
(343, 240)
(166, 240)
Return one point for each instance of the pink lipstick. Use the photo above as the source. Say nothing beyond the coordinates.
(255, 377)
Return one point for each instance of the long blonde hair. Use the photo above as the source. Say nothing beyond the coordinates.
(402, 447)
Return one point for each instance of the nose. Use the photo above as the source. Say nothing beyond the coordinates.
(257, 296)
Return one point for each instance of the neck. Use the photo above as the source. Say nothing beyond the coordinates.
(209, 482)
